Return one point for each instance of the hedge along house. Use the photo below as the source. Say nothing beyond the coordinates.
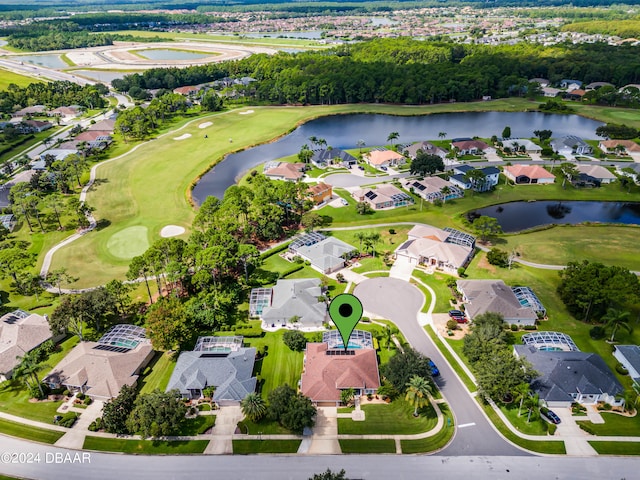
(218, 362)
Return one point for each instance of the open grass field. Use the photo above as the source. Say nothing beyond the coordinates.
(33, 434)
(157, 373)
(144, 446)
(8, 77)
(395, 418)
(248, 447)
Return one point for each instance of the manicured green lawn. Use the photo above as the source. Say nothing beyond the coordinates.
(264, 426)
(616, 448)
(29, 433)
(14, 397)
(616, 425)
(435, 442)
(388, 241)
(276, 264)
(450, 358)
(369, 264)
(7, 78)
(438, 282)
(390, 419)
(248, 447)
(534, 427)
(157, 374)
(543, 446)
(368, 446)
(197, 425)
(144, 446)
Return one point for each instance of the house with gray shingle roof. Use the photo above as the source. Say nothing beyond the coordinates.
(220, 362)
(300, 298)
(484, 296)
(570, 145)
(629, 357)
(327, 256)
(567, 377)
(332, 156)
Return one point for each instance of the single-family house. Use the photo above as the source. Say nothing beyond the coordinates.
(107, 125)
(594, 174)
(543, 82)
(95, 139)
(220, 362)
(576, 94)
(32, 110)
(100, 369)
(431, 189)
(471, 147)
(8, 221)
(382, 196)
(461, 179)
(597, 85)
(327, 255)
(569, 85)
(320, 193)
(517, 144)
(444, 249)
(291, 303)
(632, 171)
(384, 158)
(327, 372)
(187, 91)
(629, 357)
(550, 92)
(71, 111)
(290, 172)
(570, 145)
(528, 174)
(619, 146)
(568, 377)
(426, 147)
(332, 156)
(483, 296)
(58, 153)
(30, 126)
(20, 332)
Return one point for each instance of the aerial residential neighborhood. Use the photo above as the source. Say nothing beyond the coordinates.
(301, 239)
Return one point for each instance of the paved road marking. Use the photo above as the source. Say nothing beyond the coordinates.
(466, 425)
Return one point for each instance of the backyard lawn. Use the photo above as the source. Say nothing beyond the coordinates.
(390, 419)
(157, 374)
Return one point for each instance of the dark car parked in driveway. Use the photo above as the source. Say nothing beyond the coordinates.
(549, 415)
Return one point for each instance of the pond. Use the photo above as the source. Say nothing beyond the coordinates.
(104, 76)
(49, 60)
(344, 131)
(170, 54)
(518, 216)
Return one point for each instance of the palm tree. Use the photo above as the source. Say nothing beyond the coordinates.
(346, 396)
(418, 391)
(253, 407)
(28, 369)
(313, 139)
(360, 236)
(615, 319)
(373, 238)
(522, 391)
(360, 143)
(442, 135)
(445, 191)
(321, 142)
(531, 402)
(393, 136)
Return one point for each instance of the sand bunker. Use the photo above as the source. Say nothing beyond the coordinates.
(182, 137)
(171, 231)
(205, 124)
(246, 112)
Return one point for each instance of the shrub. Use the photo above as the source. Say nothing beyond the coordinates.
(597, 333)
(551, 429)
(392, 231)
(68, 419)
(437, 202)
(514, 327)
(365, 319)
(209, 391)
(530, 327)
(66, 392)
(461, 271)
(80, 396)
(621, 370)
(498, 257)
(96, 425)
(452, 324)
(587, 427)
(340, 278)
(295, 340)
(36, 393)
(87, 401)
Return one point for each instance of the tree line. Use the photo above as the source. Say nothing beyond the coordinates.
(405, 71)
(53, 95)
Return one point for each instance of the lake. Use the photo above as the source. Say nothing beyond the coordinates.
(104, 76)
(49, 60)
(170, 54)
(343, 131)
(518, 216)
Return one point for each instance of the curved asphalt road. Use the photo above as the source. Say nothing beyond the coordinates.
(400, 301)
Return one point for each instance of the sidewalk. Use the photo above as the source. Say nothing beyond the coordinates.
(74, 438)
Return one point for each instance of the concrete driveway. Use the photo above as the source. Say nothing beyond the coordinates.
(400, 302)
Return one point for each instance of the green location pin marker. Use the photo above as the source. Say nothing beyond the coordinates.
(345, 311)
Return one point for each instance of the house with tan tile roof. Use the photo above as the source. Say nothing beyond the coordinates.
(383, 196)
(430, 188)
(20, 332)
(472, 147)
(611, 146)
(528, 174)
(100, 369)
(596, 174)
(327, 372)
(383, 158)
(320, 193)
(426, 147)
(290, 172)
